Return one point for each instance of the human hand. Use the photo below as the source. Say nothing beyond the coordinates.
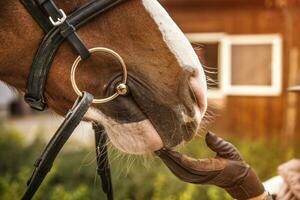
(290, 172)
(227, 170)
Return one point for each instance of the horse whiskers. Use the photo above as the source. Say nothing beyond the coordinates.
(212, 86)
(203, 128)
(210, 80)
(208, 117)
(130, 159)
(205, 67)
(209, 69)
(210, 72)
(85, 162)
(209, 111)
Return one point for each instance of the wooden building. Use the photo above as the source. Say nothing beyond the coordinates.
(251, 49)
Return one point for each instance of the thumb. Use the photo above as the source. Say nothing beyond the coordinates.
(223, 148)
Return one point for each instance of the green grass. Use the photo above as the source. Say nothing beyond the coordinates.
(73, 176)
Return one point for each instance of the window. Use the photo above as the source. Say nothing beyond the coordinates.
(252, 65)
(241, 65)
(208, 48)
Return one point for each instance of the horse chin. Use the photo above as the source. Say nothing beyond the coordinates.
(136, 138)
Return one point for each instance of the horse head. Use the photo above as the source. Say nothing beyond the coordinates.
(167, 87)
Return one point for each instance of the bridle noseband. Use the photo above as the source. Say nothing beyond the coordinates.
(60, 27)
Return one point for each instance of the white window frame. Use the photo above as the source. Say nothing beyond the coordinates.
(212, 38)
(247, 90)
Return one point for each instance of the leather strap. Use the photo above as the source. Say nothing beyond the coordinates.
(51, 43)
(67, 30)
(37, 14)
(103, 169)
(39, 70)
(44, 164)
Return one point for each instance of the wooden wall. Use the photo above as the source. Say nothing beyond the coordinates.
(252, 116)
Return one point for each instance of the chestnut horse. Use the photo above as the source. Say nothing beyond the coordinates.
(167, 98)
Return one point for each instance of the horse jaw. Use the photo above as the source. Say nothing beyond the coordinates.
(133, 138)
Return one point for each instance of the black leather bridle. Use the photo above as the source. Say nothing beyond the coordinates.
(59, 27)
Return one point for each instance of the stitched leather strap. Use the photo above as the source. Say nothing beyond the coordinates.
(51, 43)
(39, 70)
(37, 14)
(44, 164)
(55, 14)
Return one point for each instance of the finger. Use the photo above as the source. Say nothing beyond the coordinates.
(284, 189)
(189, 169)
(288, 196)
(293, 181)
(223, 148)
(292, 165)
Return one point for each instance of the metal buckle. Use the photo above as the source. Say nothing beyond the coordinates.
(59, 20)
(121, 88)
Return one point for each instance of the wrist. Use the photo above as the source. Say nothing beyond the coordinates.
(249, 188)
(264, 196)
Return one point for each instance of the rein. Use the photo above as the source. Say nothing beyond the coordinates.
(59, 27)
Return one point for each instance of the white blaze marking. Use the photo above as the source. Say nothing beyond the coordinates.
(173, 36)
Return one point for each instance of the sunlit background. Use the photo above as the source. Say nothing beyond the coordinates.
(250, 50)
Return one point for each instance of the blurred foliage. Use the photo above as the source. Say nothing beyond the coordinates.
(74, 177)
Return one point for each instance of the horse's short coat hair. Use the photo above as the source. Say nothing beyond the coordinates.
(166, 80)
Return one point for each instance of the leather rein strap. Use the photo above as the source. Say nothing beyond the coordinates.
(44, 163)
(58, 27)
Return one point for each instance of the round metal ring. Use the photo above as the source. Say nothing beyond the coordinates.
(121, 89)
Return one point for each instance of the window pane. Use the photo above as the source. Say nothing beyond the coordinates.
(251, 65)
(209, 56)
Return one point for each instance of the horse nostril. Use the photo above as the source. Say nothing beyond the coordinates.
(198, 91)
(192, 95)
(193, 72)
